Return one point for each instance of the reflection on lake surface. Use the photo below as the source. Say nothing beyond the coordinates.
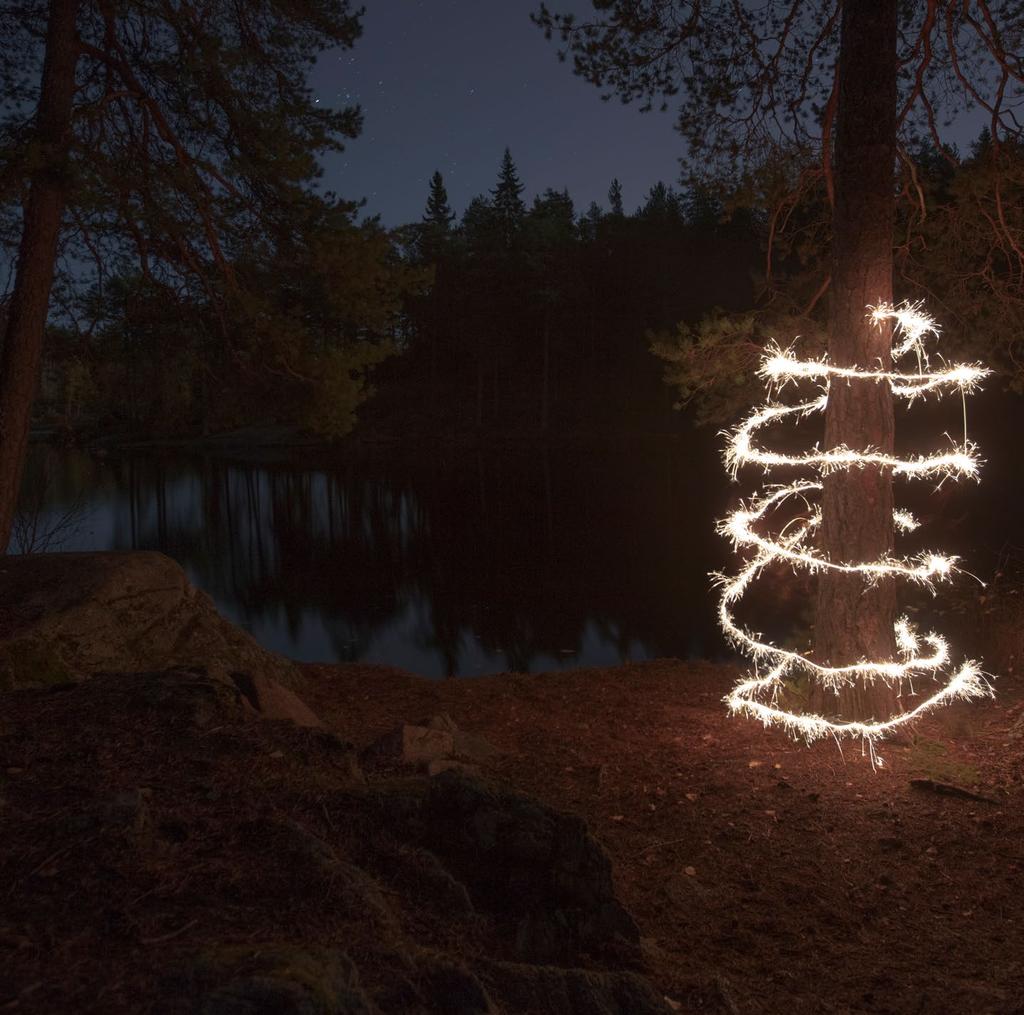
(447, 562)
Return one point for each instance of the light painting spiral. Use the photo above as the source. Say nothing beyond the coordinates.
(921, 656)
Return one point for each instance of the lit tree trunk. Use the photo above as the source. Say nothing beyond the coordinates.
(37, 255)
(855, 622)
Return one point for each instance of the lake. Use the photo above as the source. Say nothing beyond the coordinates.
(445, 561)
(440, 561)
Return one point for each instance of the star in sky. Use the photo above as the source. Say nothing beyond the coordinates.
(448, 86)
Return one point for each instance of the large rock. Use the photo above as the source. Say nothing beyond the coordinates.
(222, 865)
(537, 869)
(547, 990)
(270, 979)
(65, 616)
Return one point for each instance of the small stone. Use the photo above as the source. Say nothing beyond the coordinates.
(473, 747)
(411, 745)
(441, 721)
(274, 701)
(421, 744)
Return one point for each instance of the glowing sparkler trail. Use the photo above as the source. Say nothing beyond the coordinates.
(757, 696)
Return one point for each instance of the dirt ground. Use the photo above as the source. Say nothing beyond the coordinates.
(765, 876)
(158, 843)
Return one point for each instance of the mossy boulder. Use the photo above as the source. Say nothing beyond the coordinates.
(66, 616)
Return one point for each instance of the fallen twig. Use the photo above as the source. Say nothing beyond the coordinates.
(167, 937)
(658, 845)
(947, 789)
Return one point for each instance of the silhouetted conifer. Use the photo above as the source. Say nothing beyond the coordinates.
(615, 198)
(508, 201)
(439, 213)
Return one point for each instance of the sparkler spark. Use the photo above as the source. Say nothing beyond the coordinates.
(757, 696)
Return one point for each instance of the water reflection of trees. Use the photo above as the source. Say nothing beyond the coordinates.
(472, 560)
(514, 556)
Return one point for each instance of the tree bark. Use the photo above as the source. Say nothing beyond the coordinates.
(854, 621)
(545, 397)
(37, 255)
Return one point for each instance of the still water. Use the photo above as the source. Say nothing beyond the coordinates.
(446, 561)
(440, 561)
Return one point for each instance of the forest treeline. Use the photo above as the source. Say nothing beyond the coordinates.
(522, 318)
(538, 316)
(514, 317)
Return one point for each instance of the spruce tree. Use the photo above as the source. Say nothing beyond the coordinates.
(662, 203)
(615, 198)
(507, 199)
(439, 214)
(435, 230)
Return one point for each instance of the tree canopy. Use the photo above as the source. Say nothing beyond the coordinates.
(169, 143)
(839, 93)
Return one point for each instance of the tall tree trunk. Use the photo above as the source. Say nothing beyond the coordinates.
(37, 255)
(545, 386)
(855, 621)
(479, 380)
(495, 389)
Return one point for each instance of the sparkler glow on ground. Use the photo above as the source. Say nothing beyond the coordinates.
(921, 656)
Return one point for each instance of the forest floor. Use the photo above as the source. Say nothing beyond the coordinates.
(162, 850)
(765, 876)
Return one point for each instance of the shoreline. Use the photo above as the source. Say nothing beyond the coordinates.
(254, 439)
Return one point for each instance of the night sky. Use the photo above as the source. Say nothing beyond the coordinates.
(447, 84)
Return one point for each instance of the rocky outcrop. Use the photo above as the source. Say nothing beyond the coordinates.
(66, 616)
(268, 978)
(172, 854)
(536, 870)
(166, 852)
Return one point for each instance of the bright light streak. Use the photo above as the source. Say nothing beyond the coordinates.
(757, 696)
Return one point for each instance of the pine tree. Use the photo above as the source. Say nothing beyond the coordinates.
(982, 145)
(840, 80)
(439, 213)
(590, 221)
(551, 239)
(507, 199)
(615, 198)
(168, 133)
(701, 207)
(434, 247)
(662, 203)
(434, 232)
